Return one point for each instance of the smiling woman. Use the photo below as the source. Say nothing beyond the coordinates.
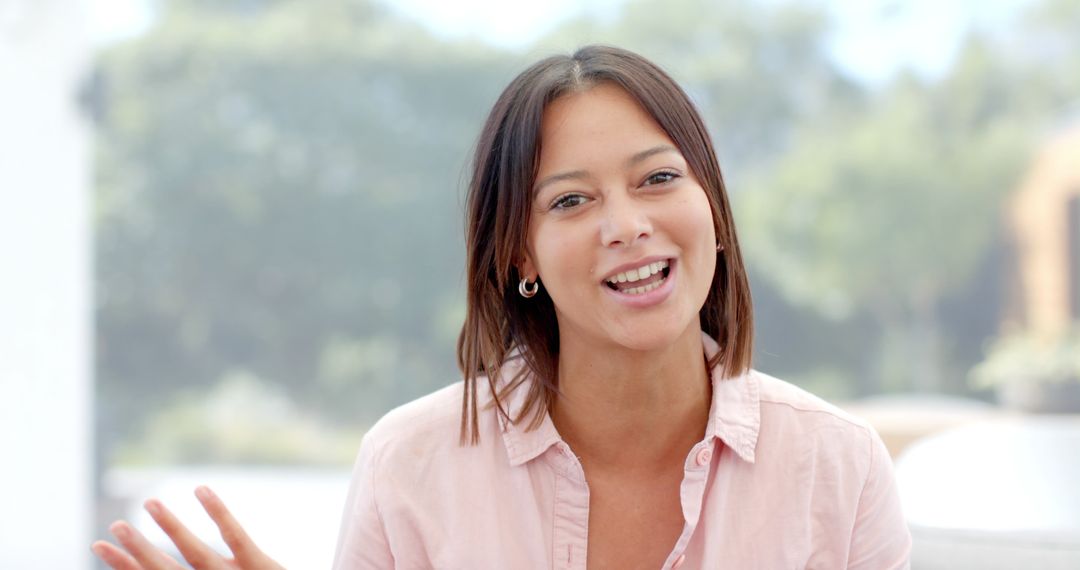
(608, 417)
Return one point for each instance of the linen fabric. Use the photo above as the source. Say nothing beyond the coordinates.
(781, 480)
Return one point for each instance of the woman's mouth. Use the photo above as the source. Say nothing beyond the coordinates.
(641, 280)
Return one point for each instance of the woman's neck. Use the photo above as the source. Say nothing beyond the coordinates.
(633, 410)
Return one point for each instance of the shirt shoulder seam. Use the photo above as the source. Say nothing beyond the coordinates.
(865, 484)
(376, 456)
(853, 421)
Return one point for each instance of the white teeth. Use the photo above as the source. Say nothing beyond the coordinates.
(640, 273)
(643, 289)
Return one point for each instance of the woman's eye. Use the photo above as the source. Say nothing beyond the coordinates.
(567, 202)
(661, 177)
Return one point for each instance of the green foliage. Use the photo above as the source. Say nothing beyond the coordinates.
(1022, 356)
(241, 420)
(884, 208)
(276, 181)
(888, 209)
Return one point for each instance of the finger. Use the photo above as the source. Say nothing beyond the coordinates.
(197, 553)
(238, 541)
(146, 554)
(116, 558)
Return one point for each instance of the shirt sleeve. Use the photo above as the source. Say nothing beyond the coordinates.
(880, 539)
(362, 542)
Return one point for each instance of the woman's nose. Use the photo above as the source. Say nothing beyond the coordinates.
(623, 223)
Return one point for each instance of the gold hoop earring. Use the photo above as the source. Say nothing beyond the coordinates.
(523, 288)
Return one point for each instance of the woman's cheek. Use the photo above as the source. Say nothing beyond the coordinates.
(555, 256)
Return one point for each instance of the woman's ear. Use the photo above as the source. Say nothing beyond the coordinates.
(526, 268)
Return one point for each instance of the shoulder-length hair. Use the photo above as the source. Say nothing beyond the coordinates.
(498, 320)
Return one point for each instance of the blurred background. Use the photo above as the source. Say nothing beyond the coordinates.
(231, 239)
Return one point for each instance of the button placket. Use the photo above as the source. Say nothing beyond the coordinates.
(704, 456)
(571, 512)
(691, 491)
(700, 457)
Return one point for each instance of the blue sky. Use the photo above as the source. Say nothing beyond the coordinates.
(873, 38)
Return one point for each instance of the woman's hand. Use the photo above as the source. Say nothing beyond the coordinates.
(141, 555)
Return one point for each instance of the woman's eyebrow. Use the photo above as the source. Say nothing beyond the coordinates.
(572, 175)
(580, 174)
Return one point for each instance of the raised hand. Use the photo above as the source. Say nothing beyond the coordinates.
(141, 555)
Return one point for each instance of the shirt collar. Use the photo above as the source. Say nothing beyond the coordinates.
(734, 415)
(523, 445)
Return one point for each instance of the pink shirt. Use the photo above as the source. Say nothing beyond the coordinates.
(781, 480)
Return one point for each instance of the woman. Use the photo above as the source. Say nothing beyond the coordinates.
(609, 417)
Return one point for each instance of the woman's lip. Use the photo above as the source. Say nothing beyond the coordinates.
(654, 297)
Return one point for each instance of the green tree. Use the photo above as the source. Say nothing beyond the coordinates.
(888, 208)
(279, 195)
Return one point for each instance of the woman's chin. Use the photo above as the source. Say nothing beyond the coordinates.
(650, 338)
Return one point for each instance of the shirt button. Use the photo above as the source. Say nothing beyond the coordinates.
(678, 562)
(704, 456)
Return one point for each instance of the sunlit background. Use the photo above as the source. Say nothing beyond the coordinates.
(231, 239)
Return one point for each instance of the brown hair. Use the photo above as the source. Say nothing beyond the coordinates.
(498, 320)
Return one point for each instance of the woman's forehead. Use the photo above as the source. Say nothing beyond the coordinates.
(601, 123)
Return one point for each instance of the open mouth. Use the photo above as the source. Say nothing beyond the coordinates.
(641, 280)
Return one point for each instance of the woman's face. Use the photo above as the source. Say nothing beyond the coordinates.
(621, 233)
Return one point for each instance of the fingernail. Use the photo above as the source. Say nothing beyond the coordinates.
(97, 549)
(152, 507)
(119, 530)
(203, 493)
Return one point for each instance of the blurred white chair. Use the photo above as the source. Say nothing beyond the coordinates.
(1002, 493)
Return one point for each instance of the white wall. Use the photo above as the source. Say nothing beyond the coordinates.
(45, 295)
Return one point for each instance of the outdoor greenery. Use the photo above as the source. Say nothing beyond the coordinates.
(279, 199)
(1021, 356)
